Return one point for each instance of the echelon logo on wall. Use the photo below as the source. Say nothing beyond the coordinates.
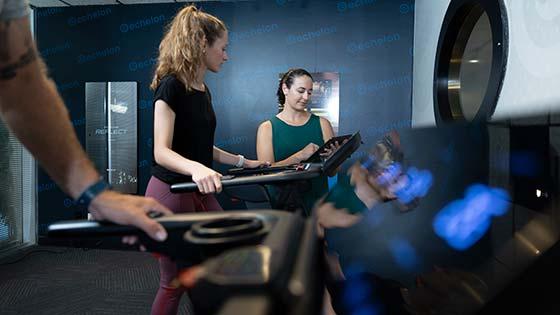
(136, 25)
(283, 2)
(55, 50)
(99, 54)
(232, 141)
(46, 186)
(342, 6)
(374, 87)
(382, 129)
(48, 11)
(262, 29)
(139, 65)
(79, 121)
(405, 8)
(292, 39)
(69, 202)
(92, 16)
(355, 47)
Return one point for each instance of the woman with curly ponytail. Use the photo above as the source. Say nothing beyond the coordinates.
(184, 126)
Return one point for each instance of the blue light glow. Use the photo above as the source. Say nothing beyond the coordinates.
(414, 184)
(417, 185)
(404, 254)
(359, 296)
(368, 309)
(357, 290)
(524, 163)
(463, 222)
(389, 174)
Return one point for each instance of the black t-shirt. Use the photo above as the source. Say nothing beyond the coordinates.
(195, 124)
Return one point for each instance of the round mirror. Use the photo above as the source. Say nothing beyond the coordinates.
(470, 61)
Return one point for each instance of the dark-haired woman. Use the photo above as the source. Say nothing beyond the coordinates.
(294, 134)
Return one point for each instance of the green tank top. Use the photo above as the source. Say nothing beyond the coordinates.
(287, 140)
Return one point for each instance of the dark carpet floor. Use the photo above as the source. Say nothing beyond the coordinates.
(55, 280)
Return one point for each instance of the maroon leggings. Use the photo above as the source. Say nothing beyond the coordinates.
(168, 296)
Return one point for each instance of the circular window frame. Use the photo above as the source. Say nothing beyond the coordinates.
(452, 43)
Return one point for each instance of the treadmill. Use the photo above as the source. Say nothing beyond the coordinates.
(249, 258)
(313, 167)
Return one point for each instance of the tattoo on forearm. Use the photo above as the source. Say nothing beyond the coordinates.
(9, 71)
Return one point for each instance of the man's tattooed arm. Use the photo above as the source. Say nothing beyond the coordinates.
(16, 49)
(9, 71)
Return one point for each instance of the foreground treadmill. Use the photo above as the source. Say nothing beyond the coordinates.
(255, 262)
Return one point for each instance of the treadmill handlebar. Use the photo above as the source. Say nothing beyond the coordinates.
(231, 180)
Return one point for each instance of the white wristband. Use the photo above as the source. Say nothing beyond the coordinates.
(241, 161)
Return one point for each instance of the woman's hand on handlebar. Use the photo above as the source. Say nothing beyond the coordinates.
(308, 151)
(207, 180)
(255, 164)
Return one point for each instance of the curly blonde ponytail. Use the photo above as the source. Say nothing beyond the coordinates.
(181, 49)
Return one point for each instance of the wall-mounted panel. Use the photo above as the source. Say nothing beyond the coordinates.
(111, 132)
